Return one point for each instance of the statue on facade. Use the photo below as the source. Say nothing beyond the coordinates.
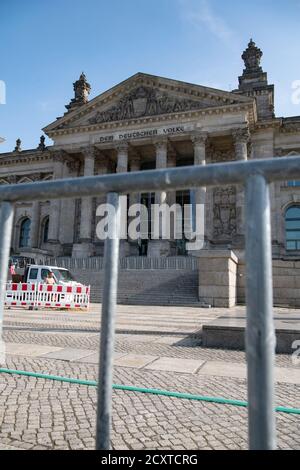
(252, 57)
(18, 146)
(42, 145)
(81, 93)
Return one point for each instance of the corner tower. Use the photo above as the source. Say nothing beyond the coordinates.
(254, 82)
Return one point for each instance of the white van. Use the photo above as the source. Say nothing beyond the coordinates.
(36, 274)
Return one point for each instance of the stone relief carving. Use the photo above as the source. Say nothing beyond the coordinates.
(225, 224)
(290, 127)
(29, 178)
(144, 101)
(218, 156)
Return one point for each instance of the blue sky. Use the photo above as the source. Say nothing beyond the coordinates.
(45, 44)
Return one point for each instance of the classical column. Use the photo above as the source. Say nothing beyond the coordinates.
(55, 206)
(35, 225)
(134, 165)
(199, 141)
(161, 147)
(122, 167)
(85, 246)
(122, 157)
(171, 195)
(171, 198)
(87, 202)
(241, 139)
(160, 248)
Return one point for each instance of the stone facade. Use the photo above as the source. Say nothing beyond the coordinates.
(149, 122)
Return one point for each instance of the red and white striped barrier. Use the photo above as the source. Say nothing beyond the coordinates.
(20, 295)
(44, 295)
(63, 296)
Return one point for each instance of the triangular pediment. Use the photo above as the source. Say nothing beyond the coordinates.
(145, 96)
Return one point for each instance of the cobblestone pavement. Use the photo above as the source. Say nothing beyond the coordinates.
(42, 414)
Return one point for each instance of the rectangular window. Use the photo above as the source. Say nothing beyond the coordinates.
(33, 274)
(293, 184)
(293, 235)
(44, 273)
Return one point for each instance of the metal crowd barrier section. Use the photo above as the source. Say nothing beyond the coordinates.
(46, 296)
(20, 295)
(260, 335)
(57, 296)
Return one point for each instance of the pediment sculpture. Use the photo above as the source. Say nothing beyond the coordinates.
(145, 101)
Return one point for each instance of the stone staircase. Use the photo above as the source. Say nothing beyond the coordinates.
(147, 287)
(142, 280)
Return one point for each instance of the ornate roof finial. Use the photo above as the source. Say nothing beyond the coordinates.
(18, 146)
(81, 92)
(42, 145)
(252, 57)
(255, 80)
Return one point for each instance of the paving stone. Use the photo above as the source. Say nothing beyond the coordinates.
(188, 366)
(222, 369)
(94, 358)
(170, 340)
(134, 360)
(29, 350)
(69, 354)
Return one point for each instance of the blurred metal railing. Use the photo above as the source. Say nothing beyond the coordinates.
(260, 335)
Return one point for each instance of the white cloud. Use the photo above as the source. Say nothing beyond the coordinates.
(201, 15)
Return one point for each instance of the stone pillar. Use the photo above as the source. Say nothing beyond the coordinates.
(218, 278)
(87, 202)
(35, 225)
(241, 139)
(160, 248)
(85, 246)
(171, 201)
(161, 147)
(122, 157)
(199, 141)
(135, 165)
(55, 207)
(171, 195)
(122, 167)
(101, 169)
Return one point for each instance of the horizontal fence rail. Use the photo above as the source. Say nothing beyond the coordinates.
(154, 180)
(260, 344)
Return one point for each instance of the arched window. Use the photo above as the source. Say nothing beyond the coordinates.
(292, 228)
(45, 230)
(25, 233)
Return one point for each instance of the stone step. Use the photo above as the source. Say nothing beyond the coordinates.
(147, 287)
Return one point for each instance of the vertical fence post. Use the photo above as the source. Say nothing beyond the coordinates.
(260, 333)
(111, 261)
(6, 224)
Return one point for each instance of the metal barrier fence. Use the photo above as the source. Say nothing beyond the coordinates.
(46, 296)
(260, 335)
(130, 263)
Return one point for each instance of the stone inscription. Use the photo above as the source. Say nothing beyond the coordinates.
(142, 134)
